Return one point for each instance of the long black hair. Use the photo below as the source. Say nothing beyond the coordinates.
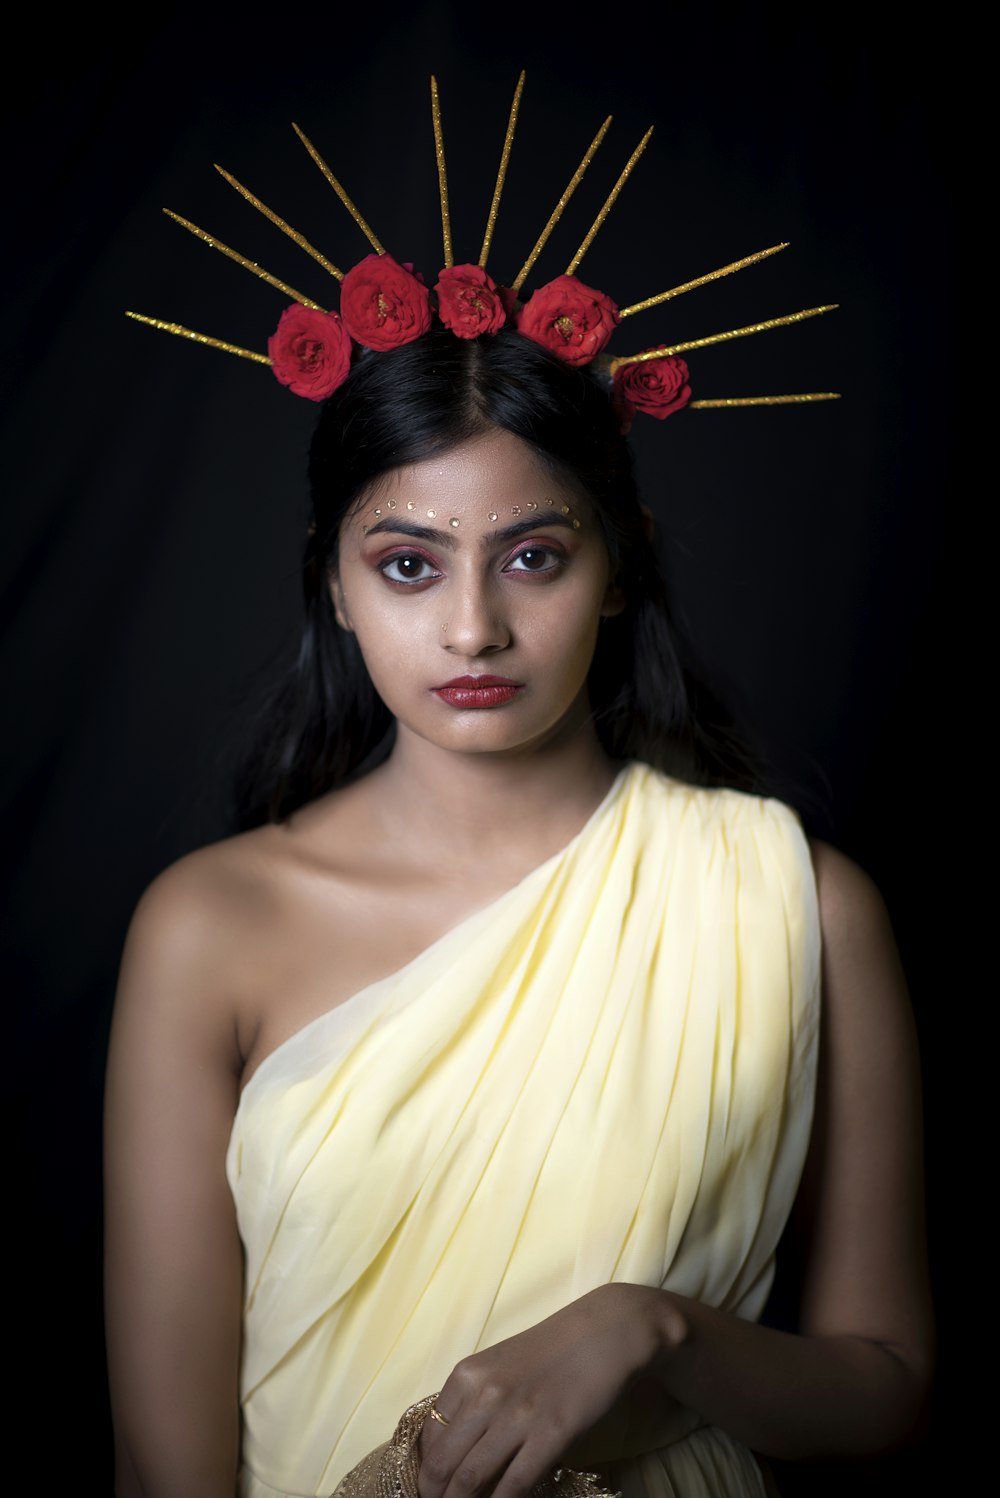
(326, 724)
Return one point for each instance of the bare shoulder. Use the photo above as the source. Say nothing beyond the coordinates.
(204, 899)
(189, 954)
(860, 958)
(847, 895)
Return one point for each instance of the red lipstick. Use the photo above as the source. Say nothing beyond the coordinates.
(478, 691)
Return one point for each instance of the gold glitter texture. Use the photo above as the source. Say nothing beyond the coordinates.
(609, 203)
(173, 327)
(279, 223)
(757, 327)
(362, 224)
(713, 275)
(765, 400)
(251, 265)
(449, 259)
(557, 212)
(502, 173)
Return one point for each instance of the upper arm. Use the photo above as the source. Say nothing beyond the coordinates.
(173, 1257)
(861, 1199)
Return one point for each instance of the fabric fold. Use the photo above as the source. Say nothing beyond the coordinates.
(607, 1074)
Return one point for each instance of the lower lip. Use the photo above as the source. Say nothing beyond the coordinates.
(477, 696)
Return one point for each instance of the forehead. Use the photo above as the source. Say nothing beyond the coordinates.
(486, 478)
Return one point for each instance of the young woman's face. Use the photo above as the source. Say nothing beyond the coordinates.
(475, 585)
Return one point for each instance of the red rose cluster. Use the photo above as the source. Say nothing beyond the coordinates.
(569, 319)
(384, 305)
(657, 386)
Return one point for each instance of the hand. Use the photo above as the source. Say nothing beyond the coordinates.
(515, 1409)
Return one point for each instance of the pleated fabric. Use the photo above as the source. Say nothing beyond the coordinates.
(605, 1075)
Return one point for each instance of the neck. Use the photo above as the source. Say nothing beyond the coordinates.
(507, 810)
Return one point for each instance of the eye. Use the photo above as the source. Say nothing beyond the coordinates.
(535, 559)
(407, 568)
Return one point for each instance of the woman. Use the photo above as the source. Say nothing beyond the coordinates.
(490, 1061)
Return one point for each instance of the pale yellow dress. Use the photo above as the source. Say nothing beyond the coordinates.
(607, 1074)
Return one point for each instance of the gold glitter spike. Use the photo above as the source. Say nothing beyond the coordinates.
(713, 275)
(609, 203)
(279, 223)
(250, 265)
(757, 327)
(766, 400)
(376, 244)
(571, 187)
(449, 258)
(173, 327)
(502, 173)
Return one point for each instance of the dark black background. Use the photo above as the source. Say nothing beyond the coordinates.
(154, 506)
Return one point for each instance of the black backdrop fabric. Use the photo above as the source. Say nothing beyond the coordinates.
(155, 493)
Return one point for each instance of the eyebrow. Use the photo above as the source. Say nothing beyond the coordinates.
(446, 538)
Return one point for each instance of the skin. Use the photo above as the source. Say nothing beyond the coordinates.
(236, 947)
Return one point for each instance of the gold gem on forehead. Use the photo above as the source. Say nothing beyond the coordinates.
(516, 510)
(454, 523)
(531, 505)
(431, 514)
(410, 505)
(493, 515)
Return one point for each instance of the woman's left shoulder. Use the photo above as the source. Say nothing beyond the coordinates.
(851, 906)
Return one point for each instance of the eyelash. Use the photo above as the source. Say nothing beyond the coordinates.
(557, 565)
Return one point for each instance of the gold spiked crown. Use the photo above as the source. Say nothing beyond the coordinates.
(385, 304)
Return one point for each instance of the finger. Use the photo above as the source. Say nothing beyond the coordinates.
(484, 1463)
(443, 1445)
(533, 1462)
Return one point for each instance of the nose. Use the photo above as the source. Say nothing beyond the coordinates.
(474, 622)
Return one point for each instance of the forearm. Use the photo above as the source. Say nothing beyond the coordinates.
(790, 1397)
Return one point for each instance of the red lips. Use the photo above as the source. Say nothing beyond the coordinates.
(478, 691)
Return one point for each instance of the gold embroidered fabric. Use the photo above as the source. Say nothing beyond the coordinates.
(390, 1471)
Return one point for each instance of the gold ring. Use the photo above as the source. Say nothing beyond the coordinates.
(437, 1415)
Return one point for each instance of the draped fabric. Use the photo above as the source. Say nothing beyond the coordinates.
(605, 1075)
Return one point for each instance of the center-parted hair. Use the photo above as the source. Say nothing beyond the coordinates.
(326, 723)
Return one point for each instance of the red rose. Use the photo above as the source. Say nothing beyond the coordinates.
(310, 351)
(383, 304)
(571, 320)
(656, 386)
(469, 301)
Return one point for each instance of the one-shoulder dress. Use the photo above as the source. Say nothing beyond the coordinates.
(607, 1074)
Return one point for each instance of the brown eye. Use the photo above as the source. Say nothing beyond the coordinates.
(534, 559)
(407, 569)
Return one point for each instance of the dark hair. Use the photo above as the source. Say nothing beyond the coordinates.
(326, 725)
